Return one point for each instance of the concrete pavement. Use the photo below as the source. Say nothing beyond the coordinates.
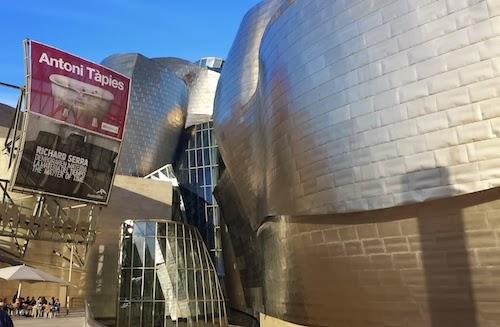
(55, 322)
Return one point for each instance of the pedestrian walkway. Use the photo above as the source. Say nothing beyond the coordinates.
(55, 322)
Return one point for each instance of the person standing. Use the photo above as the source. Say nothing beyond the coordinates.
(5, 320)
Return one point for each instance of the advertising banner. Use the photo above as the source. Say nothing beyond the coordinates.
(74, 124)
(76, 91)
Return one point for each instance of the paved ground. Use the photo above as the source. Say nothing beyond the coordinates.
(56, 322)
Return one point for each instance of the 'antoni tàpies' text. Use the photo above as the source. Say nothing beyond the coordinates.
(81, 70)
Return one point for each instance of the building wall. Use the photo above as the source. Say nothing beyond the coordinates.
(419, 265)
(340, 123)
(352, 96)
(156, 116)
(131, 198)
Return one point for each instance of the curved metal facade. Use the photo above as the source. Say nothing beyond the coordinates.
(157, 113)
(365, 104)
(327, 110)
(202, 89)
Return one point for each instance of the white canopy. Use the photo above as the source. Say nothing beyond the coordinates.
(29, 274)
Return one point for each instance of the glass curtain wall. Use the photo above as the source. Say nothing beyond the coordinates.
(198, 173)
(167, 277)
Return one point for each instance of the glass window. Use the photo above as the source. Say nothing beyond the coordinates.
(192, 173)
(215, 155)
(215, 174)
(206, 153)
(148, 284)
(125, 284)
(205, 138)
(208, 176)
(192, 159)
(160, 293)
(199, 158)
(147, 314)
(200, 176)
(123, 313)
(150, 229)
(140, 228)
(171, 230)
(135, 314)
(162, 229)
(136, 284)
(138, 249)
(150, 252)
(159, 317)
(198, 139)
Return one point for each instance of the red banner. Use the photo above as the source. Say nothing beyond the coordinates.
(78, 92)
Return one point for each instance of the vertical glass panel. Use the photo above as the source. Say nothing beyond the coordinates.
(135, 314)
(147, 314)
(127, 252)
(208, 176)
(205, 138)
(140, 228)
(150, 229)
(208, 194)
(148, 284)
(162, 229)
(215, 155)
(159, 318)
(202, 311)
(136, 284)
(160, 255)
(180, 230)
(210, 215)
(192, 176)
(198, 139)
(191, 284)
(192, 159)
(199, 285)
(171, 230)
(138, 260)
(150, 252)
(171, 251)
(123, 314)
(199, 158)
(206, 156)
(125, 284)
(180, 254)
(189, 254)
(200, 176)
(215, 174)
(159, 291)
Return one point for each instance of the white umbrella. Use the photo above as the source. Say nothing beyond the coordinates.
(28, 274)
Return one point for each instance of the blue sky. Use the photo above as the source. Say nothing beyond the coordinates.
(94, 29)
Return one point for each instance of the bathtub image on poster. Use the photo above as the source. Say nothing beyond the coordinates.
(76, 91)
(62, 160)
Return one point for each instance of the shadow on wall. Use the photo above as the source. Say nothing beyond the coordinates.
(413, 265)
(446, 258)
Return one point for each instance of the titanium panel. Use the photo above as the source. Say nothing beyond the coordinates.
(158, 107)
(344, 106)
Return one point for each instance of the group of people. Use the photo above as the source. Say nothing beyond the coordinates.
(27, 307)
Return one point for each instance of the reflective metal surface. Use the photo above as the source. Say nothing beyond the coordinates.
(167, 277)
(326, 106)
(201, 96)
(327, 110)
(157, 113)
